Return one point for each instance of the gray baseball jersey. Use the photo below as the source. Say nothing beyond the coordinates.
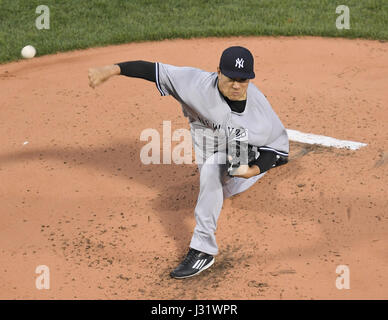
(210, 116)
(211, 119)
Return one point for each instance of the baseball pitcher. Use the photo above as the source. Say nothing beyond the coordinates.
(236, 134)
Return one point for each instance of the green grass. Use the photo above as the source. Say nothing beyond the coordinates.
(77, 24)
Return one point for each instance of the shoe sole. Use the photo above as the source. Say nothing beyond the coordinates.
(192, 275)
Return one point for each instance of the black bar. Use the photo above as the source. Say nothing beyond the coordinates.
(195, 309)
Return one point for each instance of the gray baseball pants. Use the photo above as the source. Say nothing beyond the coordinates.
(215, 186)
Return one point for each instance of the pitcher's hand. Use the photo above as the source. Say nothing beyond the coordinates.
(101, 74)
(245, 171)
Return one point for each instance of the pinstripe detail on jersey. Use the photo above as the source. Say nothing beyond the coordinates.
(157, 79)
(282, 153)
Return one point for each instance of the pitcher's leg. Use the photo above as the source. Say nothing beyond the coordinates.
(235, 185)
(209, 205)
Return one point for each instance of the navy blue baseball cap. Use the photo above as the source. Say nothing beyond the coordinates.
(237, 62)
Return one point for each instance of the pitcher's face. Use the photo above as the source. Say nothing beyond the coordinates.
(233, 89)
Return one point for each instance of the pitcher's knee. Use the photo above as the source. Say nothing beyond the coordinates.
(210, 171)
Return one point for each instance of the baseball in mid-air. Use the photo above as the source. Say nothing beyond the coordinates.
(28, 52)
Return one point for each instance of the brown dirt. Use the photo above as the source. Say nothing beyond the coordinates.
(77, 198)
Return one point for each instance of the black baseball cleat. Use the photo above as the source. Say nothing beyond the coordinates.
(194, 263)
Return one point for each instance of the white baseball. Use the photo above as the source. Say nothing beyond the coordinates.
(28, 52)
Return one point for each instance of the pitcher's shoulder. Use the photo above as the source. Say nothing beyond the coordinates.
(255, 92)
(257, 98)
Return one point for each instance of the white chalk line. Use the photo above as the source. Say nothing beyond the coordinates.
(310, 138)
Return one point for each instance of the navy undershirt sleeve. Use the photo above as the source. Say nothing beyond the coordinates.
(266, 160)
(138, 69)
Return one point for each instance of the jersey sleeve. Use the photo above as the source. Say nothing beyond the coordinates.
(276, 138)
(178, 82)
(280, 142)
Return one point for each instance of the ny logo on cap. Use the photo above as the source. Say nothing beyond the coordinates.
(239, 63)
